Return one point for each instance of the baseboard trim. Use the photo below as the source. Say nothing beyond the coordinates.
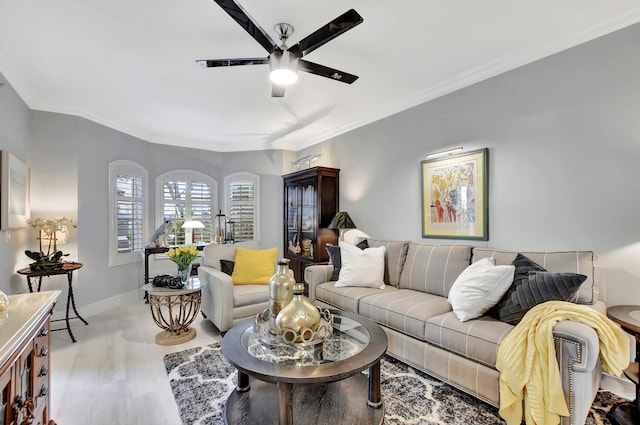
(97, 307)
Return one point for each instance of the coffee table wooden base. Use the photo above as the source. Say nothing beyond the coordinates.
(172, 338)
(342, 402)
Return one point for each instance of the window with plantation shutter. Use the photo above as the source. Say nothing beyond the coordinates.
(186, 195)
(128, 206)
(243, 204)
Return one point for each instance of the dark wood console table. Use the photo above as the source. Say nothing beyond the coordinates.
(68, 269)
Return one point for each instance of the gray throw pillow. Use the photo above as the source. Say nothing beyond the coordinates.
(336, 260)
(533, 285)
(226, 266)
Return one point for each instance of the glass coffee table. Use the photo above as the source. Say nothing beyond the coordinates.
(302, 384)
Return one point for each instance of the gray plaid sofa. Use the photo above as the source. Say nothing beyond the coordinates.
(424, 332)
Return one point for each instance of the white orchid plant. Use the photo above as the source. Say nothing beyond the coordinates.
(47, 229)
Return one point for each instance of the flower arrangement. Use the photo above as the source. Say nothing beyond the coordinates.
(48, 229)
(183, 256)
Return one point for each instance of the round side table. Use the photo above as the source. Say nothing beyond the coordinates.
(628, 316)
(174, 310)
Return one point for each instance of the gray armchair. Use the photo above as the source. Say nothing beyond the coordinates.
(224, 303)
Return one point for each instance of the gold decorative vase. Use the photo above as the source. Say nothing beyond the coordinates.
(299, 316)
(4, 301)
(280, 292)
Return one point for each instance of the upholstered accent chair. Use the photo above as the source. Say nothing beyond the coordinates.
(224, 303)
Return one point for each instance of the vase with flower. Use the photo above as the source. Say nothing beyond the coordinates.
(183, 256)
(51, 233)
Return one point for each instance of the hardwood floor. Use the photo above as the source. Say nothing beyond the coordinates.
(115, 373)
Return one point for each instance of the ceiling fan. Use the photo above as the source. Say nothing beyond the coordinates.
(286, 61)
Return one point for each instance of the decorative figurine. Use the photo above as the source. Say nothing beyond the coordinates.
(159, 237)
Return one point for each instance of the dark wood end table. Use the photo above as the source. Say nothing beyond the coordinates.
(68, 269)
(628, 316)
(327, 391)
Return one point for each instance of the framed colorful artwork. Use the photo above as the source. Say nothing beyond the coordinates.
(455, 196)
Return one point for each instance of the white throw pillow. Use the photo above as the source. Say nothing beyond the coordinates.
(353, 236)
(361, 267)
(479, 287)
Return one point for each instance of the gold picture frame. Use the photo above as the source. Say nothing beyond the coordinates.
(455, 196)
(15, 207)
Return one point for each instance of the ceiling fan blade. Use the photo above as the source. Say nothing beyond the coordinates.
(325, 71)
(239, 15)
(340, 25)
(277, 90)
(213, 63)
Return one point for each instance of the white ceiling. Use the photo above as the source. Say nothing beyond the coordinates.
(129, 64)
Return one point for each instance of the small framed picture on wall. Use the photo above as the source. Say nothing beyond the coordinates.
(455, 196)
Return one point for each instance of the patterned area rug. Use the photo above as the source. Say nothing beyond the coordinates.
(201, 380)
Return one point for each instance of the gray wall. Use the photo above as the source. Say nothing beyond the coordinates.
(69, 158)
(14, 131)
(564, 141)
(564, 145)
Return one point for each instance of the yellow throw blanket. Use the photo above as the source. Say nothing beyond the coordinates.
(529, 370)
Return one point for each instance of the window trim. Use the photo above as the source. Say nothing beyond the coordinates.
(191, 174)
(255, 179)
(132, 168)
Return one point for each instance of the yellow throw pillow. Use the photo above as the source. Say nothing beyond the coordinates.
(254, 266)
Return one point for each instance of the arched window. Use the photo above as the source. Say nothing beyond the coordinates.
(242, 204)
(127, 211)
(186, 195)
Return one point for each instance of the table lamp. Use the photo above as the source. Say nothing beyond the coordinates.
(193, 224)
(342, 221)
(59, 237)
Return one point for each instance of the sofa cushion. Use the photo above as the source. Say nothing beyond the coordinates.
(476, 339)
(478, 288)
(394, 258)
(249, 295)
(581, 262)
(404, 310)
(361, 267)
(346, 298)
(434, 268)
(213, 253)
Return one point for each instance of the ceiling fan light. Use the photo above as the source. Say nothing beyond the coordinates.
(283, 76)
(283, 68)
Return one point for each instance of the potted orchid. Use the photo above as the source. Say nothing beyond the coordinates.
(183, 256)
(49, 230)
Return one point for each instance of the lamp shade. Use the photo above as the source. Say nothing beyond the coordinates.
(342, 221)
(193, 224)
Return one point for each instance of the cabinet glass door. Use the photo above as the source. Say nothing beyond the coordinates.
(308, 225)
(293, 219)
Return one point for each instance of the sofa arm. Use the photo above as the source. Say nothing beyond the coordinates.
(315, 275)
(578, 353)
(217, 297)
